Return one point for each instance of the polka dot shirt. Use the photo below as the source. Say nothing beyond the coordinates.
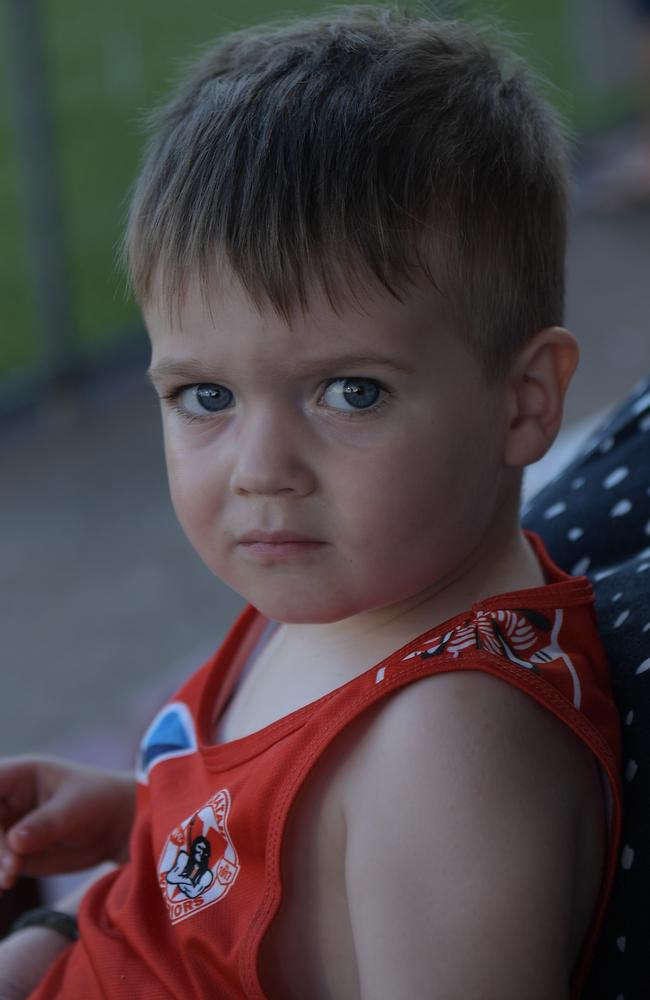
(595, 519)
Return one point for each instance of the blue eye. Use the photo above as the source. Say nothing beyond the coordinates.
(352, 394)
(205, 398)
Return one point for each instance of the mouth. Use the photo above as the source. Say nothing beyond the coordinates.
(269, 546)
(274, 537)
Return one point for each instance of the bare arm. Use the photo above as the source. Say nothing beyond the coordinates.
(463, 803)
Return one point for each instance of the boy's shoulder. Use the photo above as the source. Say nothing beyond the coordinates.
(465, 806)
(451, 724)
(453, 834)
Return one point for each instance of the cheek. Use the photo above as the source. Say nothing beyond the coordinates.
(431, 491)
(190, 490)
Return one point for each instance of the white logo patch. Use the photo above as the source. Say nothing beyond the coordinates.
(198, 863)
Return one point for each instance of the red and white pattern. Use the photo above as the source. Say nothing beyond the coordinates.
(523, 636)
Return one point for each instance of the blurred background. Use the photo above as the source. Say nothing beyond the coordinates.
(103, 605)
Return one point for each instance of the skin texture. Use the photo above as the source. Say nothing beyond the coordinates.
(413, 501)
(25, 957)
(493, 895)
(61, 817)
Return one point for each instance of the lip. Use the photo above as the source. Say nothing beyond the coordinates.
(259, 536)
(276, 546)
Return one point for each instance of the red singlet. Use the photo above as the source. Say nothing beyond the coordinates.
(186, 916)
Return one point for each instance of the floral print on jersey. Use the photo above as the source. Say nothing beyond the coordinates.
(524, 636)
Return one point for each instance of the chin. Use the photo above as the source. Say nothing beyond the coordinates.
(300, 610)
(298, 616)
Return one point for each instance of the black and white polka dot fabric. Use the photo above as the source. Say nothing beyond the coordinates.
(595, 520)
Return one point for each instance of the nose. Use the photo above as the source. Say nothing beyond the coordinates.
(272, 456)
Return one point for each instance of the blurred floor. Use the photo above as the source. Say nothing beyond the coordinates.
(104, 606)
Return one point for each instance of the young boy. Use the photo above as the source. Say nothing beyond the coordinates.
(348, 242)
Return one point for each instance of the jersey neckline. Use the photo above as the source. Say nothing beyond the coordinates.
(561, 591)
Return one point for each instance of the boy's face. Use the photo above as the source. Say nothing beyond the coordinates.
(350, 462)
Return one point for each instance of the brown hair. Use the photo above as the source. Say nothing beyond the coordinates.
(352, 149)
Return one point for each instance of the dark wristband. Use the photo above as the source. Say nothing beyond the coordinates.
(43, 916)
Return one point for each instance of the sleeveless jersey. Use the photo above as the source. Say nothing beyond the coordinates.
(186, 917)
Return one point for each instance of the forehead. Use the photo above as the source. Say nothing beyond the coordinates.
(224, 323)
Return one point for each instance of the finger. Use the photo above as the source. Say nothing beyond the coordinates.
(38, 829)
(17, 789)
(13, 770)
(10, 867)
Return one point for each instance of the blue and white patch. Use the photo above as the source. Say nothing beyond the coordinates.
(171, 734)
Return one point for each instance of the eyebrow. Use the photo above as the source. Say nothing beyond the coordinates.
(191, 369)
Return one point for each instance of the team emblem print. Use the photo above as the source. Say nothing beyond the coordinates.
(198, 863)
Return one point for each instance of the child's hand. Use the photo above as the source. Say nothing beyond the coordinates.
(25, 957)
(60, 817)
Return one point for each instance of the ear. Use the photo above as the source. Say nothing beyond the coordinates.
(536, 387)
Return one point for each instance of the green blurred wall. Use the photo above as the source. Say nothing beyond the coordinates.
(108, 62)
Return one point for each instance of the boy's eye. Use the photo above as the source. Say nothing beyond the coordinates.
(205, 398)
(352, 393)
